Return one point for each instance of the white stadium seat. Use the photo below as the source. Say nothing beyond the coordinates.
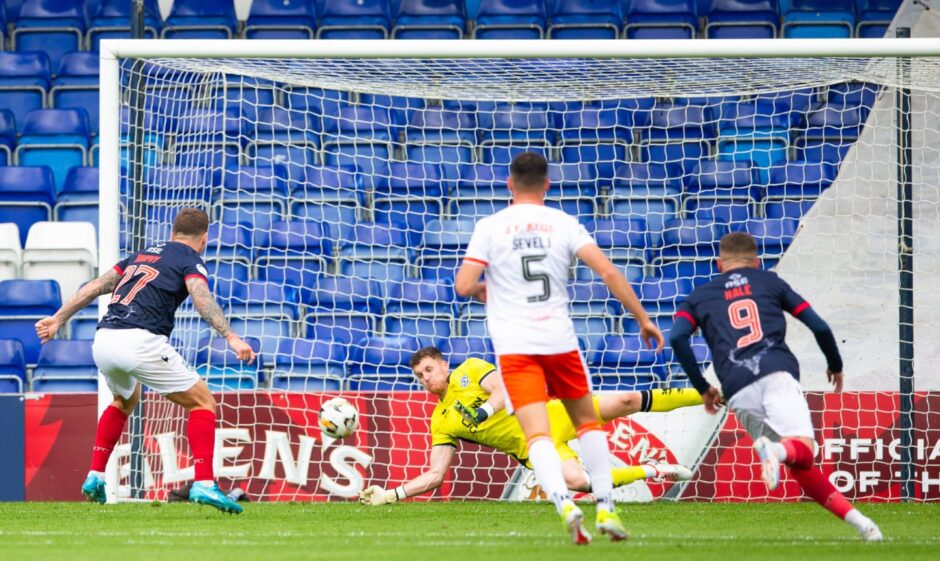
(10, 251)
(63, 251)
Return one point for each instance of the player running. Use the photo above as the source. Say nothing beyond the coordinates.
(471, 408)
(740, 313)
(526, 251)
(131, 347)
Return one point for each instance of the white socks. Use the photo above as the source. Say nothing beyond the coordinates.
(858, 520)
(595, 454)
(547, 466)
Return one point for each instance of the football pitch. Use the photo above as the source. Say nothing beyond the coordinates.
(453, 531)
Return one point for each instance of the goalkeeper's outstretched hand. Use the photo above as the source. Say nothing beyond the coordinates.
(472, 416)
(377, 496)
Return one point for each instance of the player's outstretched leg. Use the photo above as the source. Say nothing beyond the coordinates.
(656, 472)
(798, 457)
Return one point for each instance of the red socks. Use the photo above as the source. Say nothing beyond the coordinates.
(110, 428)
(201, 435)
(811, 480)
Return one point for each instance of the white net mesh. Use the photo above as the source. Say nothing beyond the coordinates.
(342, 193)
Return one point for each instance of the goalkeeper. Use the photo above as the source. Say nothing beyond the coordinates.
(472, 409)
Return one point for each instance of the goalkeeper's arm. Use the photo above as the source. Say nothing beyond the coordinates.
(495, 401)
(441, 458)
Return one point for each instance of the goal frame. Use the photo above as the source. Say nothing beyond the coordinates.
(112, 51)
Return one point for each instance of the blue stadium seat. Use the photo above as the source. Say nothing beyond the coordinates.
(874, 17)
(112, 20)
(340, 214)
(76, 86)
(354, 19)
(690, 239)
(654, 209)
(317, 102)
(65, 366)
(429, 329)
(458, 349)
(792, 209)
(854, 94)
(793, 103)
(660, 295)
(834, 122)
(208, 138)
(811, 19)
(26, 196)
(702, 356)
(254, 195)
(800, 180)
(442, 136)
(55, 27)
(681, 121)
(430, 19)
(381, 363)
(174, 183)
(78, 200)
(222, 370)
(624, 240)
(409, 180)
(24, 80)
(685, 154)
(309, 365)
(346, 327)
(376, 251)
(624, 363)
(22, 304)
(661, 19)
(442, 246)
(229, 241)
(248, 98)
(400, 109)
(12, 366)
(773, 236)
(482, 180)
(343, 294)
(56, 138)
(255, 299)
(590, 298)
(647, 179)
(722, 190)
(277, 19)
(268, 329)
(511, 19)
(3, 24)
(427, 297)
(473, 208)
(585, 19)
(591, 329)
(743, 19)
(359, 136)
(516, 122)
(292, 252)
(201, 19)
(7, 136)
(631, 327)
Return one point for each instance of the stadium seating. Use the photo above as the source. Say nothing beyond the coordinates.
(55, 27)
(112, 20)
(585, 19)
(874, 17)
(12, 366)
(24, 80)
(78, 200)
(7, 136)
(430, 19)
(76, 86)
(66, 252)
(661, 19)
(201, 19)
(221, 369)
(55, 138)
(65, 366)
(11, 251)
(26, 196)
(22, 304)
(305, 365)
(743, 19)
(380, 363)
(442, 245)
(380, 251)
(810, 19)
(354, 19)
(511, 19)
(277, 19)
(624, 363)
(292, 251)
(458, 349)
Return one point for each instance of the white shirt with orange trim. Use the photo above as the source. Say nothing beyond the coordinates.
(527, 250)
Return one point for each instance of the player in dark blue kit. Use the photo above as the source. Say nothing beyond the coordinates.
(740, 313)
(131, 347)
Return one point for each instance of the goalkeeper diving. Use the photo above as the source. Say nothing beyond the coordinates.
(471, 408)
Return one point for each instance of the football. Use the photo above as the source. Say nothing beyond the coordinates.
(338, 418)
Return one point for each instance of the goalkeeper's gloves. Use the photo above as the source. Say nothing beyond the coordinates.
(474, 416)
(377, 496)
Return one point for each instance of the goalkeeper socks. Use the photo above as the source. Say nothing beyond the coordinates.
(595, 454)
(201, 435)
(818, 488)
(547, 467)
(668, 399)
(627, 475)
(110, 428)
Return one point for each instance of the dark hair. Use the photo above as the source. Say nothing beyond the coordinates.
(738, 244)
(529, 170)
(191, 222)
(424, 353)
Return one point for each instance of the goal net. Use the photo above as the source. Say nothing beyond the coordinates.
(342, 192)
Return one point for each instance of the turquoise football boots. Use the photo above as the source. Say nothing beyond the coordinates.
(93, 489)
(209, 494)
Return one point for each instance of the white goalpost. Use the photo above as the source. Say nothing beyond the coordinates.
(342, 177)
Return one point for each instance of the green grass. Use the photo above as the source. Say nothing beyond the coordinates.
(453, 531)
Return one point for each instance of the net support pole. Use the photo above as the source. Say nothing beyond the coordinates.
(905, 272)
(109, 169)
(136, 228)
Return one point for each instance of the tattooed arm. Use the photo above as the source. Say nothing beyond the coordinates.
(210, 311)
(47, 327)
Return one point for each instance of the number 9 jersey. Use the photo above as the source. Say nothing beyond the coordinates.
(152, 287)
(741, 316)
(527, 250)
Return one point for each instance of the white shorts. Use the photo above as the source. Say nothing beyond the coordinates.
(774, 407)
(128, 356)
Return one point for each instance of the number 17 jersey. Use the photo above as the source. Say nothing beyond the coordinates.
(527, 250)
(152, 287)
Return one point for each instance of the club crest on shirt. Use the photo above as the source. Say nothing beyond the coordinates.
(464, 381)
